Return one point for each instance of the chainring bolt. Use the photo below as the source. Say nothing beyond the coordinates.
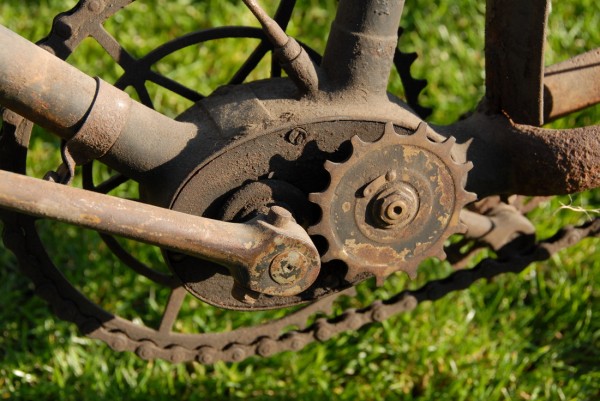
(396, 207)
(297, 136)
(279, 217)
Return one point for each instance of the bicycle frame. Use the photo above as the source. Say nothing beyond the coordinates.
(501, 139)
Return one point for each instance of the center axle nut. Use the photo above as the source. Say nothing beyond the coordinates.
(396, 206)
(288, 266)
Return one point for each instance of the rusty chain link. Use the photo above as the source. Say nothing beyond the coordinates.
(323, 328)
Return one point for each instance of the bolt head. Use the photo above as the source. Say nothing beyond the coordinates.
(288, 267)
(391, 175)
(279, 217)
(297, 136)
(396, 207)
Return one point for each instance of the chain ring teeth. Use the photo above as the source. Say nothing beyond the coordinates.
(363, 250)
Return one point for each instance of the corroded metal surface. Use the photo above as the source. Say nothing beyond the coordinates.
(271, 338)
(557, 161)
(361, 46)
(515, 40)
(391, 204)
(40, 87)
(250, 148)
(271, 255)
(572, 85)
(292, 57)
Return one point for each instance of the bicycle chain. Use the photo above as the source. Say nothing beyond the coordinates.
(323, 328)
(68, 30)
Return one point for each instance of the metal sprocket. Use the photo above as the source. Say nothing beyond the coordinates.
(392, 204)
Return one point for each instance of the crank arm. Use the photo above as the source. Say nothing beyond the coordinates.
(271, 255)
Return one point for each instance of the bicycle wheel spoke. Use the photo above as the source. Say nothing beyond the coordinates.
(174, 86)
(257, 55)
(572, 85)
(283, 15)
(514, 52)
(104, 187)
(172, 310)
(114, 48)
(142, 92)
(137, 266)
(110, 184)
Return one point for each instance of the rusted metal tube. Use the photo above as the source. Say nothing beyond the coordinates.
(572, 85)
(519, 159)
(249, 250)
(515, 39)
(361, 46)
(292, 56)
(555, 161)
(41, 87)
(98, 120)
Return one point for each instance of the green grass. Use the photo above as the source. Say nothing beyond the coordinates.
(532, 336)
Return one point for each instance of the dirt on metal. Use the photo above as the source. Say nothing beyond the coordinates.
(242, 177)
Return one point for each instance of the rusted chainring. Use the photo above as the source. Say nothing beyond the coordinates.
(392, 204)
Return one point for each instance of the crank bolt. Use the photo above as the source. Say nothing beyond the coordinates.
(288, 267)
(279, 217)
(391, 175)
(297, 136)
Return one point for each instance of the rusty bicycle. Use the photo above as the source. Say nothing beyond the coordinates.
(282, 194)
